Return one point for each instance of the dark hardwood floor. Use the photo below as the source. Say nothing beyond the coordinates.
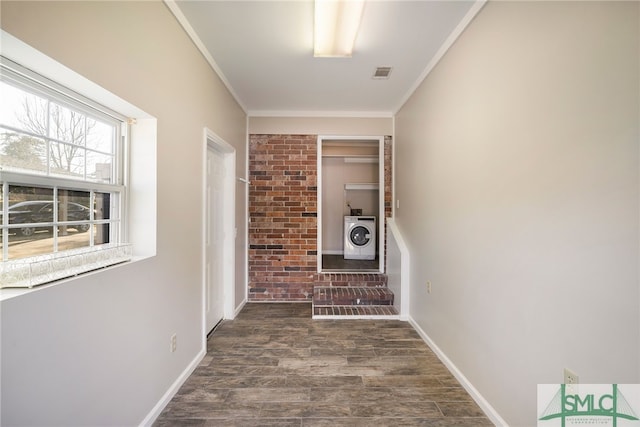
(274, 366)
(338, 263)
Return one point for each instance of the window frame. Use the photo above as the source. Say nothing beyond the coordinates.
(31, 82)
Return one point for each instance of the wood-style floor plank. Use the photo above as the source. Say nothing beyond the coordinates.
(275, 366)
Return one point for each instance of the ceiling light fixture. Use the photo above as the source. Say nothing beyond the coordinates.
(336, 25)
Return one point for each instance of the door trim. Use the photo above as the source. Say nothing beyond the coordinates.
(214, 142)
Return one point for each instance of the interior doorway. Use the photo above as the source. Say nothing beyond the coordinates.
(351, 207)
(219, 233)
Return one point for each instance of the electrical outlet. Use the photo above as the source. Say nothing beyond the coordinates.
(174, 343)
(428, 287)
(570, 377)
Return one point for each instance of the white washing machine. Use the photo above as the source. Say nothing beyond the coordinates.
(359, 237)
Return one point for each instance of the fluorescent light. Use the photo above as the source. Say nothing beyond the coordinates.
(336, 26)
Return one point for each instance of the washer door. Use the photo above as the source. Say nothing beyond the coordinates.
(360, 235)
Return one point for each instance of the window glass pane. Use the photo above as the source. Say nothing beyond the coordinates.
(30, 206)
(72, 239)
(23, 110)
(73, 206)
(100, 136)
(40, 243)
(21, 151)
(102, 209)
(103, 233)
(67, 125)
(66, 160)
(99, 167)
(9, 107)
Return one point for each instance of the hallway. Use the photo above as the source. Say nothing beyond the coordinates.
(274, 366)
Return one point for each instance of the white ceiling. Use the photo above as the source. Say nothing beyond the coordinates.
(263, 50)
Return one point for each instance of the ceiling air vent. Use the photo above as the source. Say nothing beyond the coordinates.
(382, 73)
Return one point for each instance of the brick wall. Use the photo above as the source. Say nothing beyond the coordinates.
(283, 211)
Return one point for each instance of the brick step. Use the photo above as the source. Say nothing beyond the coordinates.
(354, 310)
(370, 280)
(351, 296)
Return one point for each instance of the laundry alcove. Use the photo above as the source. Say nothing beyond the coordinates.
(350, 172)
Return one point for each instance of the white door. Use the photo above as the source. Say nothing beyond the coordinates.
(214, 242)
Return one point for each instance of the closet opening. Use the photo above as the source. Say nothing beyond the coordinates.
(351, 204)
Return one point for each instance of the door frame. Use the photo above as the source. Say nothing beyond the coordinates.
(381, 195)
(214, 142)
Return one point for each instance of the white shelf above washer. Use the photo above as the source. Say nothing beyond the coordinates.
(362, 186)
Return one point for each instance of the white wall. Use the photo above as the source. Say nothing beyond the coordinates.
(343, 126)
(95, 350)
(517, 171)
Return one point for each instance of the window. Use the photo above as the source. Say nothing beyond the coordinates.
(62, 193)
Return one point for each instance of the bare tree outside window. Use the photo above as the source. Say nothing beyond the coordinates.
(44, 136)
(67, 128)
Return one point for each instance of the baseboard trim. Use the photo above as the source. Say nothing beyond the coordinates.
(171, 392)
(332, 252)
(489, 411)
(239, 308)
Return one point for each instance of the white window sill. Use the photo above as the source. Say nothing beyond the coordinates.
(41, 270)
(9, 293)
